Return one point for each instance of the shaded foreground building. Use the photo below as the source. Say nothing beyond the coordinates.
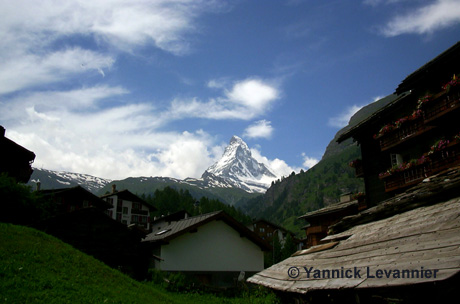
(15, 160)
(406, 247)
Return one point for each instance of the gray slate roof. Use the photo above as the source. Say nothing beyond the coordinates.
(402, 234)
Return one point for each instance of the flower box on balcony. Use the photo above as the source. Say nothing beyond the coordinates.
(407, 130)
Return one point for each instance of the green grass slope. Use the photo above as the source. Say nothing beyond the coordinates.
(38, 268)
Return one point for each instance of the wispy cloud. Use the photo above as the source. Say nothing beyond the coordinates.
(260, 129)
(425, 20)
(343, 118)
(246, 99)
(32, 32)
(309, 162)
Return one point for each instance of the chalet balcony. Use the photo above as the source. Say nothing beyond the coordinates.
(443, 103)
(420, 121)
(411, 175)
(408, 130)
(139, 212)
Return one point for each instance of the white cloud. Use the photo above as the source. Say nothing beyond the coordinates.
(343, 118)
(424, 20)
(261, 128)
(309, 162)
(253, 94)
(246, 99)
(31, 32)
(23, 70)
(112, 143)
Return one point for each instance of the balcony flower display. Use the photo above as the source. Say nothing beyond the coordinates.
(438, 146)
(399, 123)
(358, 196)
(405, 165)
(423, 100)
(452, 83)
(355, 163)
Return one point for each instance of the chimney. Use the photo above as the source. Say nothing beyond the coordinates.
(2, 131)
(114, 188)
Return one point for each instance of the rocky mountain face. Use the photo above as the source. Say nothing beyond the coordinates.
(238, 168)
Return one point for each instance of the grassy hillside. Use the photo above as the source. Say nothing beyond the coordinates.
(297, 194)
(38, 268)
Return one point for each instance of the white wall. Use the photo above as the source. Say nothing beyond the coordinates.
(214, 247)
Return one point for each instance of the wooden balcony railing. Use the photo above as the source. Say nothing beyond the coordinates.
(406, 131)
(439, 161)
(139, 212)
(440, 105)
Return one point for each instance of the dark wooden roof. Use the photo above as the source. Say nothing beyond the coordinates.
(448, 61)
(273, 225)
(15, 159)
(419, 228)
(176, 216)
(76, 193)
(329, 209)
(190, 224)
(394, 101)
(129, 196)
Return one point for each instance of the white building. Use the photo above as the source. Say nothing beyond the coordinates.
(214, 247)
(128, 208)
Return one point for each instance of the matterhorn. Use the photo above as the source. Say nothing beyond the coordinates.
(237, 168)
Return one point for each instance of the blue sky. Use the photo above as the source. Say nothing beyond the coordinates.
(120, 88)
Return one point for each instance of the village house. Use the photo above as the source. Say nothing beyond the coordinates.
(319, 221)
(160, 222)
(414, 136)
(267, 230)
(213, 247)
(405, 248)
(15, 160)
(74, 198)
(128, 208)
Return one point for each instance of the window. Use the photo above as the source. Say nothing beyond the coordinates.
(137, 206)
(86, 204)
(109, 200)
(119, 202)
(135, 218)
(396, 159)
(125, 210)
(262, 230)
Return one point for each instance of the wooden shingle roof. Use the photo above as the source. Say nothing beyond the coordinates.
(423, 236)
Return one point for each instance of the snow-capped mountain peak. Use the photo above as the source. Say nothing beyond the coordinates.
(239, 168)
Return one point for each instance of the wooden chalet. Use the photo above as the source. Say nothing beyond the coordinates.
(267, 230)
(74, 198)
(405, 248)
(128, 208)
(15, 160)
(416, 134)
(319, 221)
